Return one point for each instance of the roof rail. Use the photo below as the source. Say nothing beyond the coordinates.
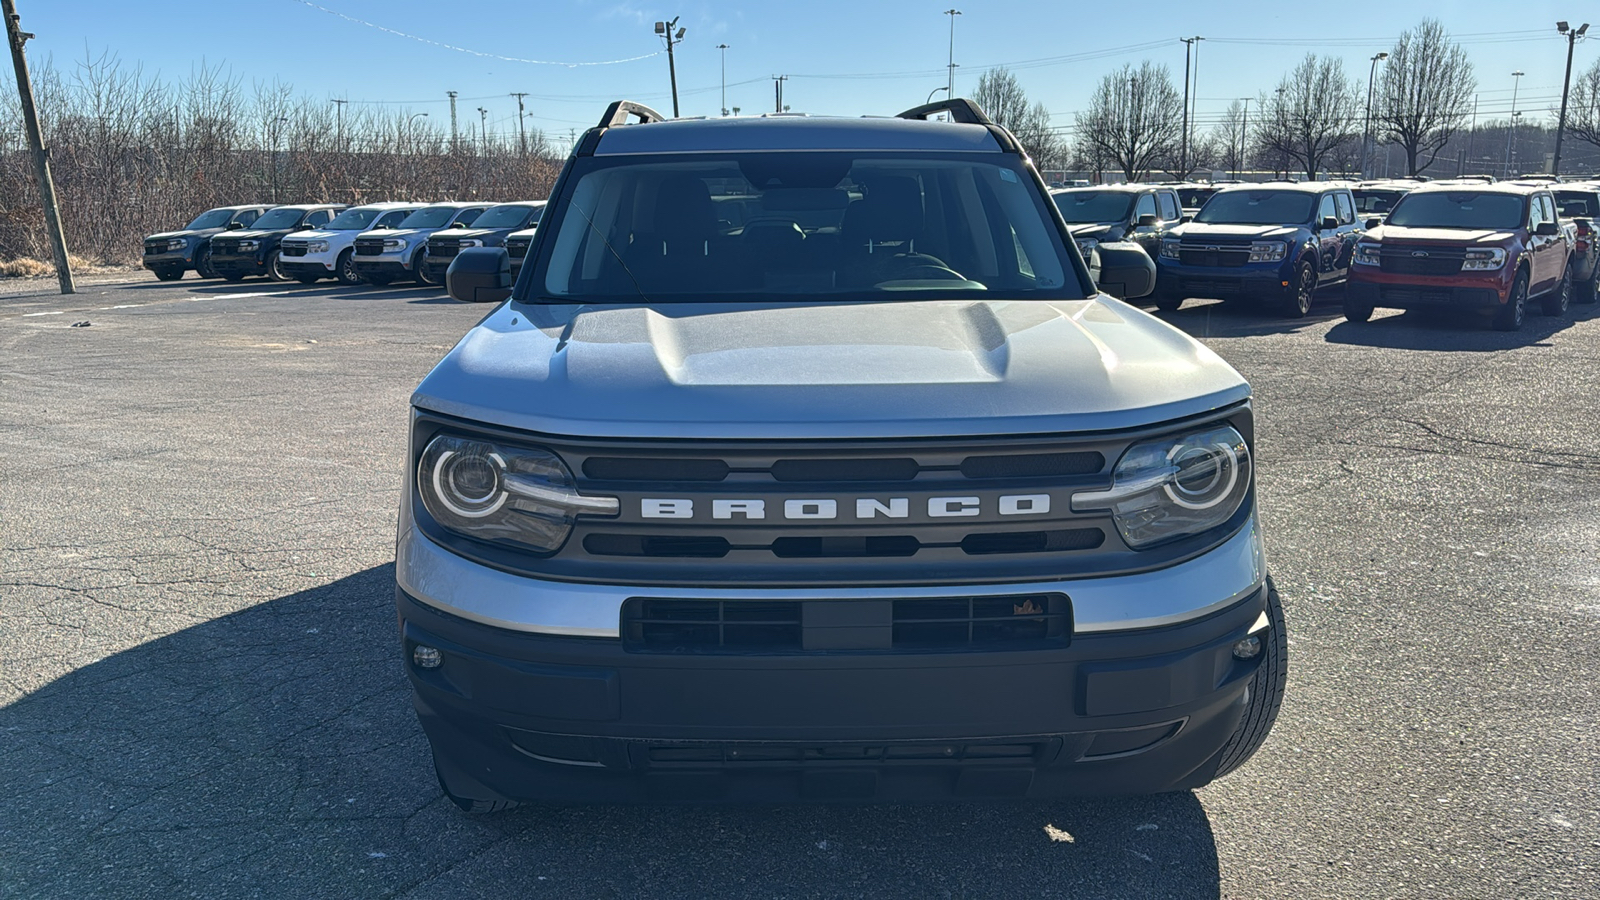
(960, 109)
(617, 114)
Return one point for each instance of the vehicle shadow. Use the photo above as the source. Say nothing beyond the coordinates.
(1443, 329)
(274, 752)
(1243, 318)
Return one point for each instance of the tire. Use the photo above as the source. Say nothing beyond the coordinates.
(1515, 309)
(306, 279)
(345, 268)
(422, 270)
(1168, 302)
(1302, 292)
(202, 263)
(1587, 292)
(234, 277)
(1555, 302)
(275, 271)
(1266, 691)
(169, 274)
(1355, 310)
(467, 804)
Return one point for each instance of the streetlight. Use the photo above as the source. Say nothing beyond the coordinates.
(952, 13)
(1561, 123)
(664, 29)
(931, 93)
(724, 49)
(1511, 133)
(1366, 131)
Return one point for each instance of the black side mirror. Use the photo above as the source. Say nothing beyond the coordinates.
(235, 226)
(1148, 221)
(1185, 219)
(1330, 222)
(1374, 222)
(480, 275)
(1547, 229)
(1123, 270)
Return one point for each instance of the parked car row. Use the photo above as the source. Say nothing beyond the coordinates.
(1469, 244)
(375, 243)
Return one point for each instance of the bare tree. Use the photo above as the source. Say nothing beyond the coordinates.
(1133, 120)
(1229, 138)
(1002, 98)
(1425, 93)
(1583, 109)
(1314, 109)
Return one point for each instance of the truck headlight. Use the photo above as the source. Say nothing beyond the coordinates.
(1366, 254)
(1169, 249)
(1268, 251)
(394, 244)
(316, 246)
(521, 497)
(177, 244)
(1487, 258)
(1171, 488)
(249, 245)
(470, 242)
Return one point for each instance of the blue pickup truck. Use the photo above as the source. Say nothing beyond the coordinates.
(1277, 242)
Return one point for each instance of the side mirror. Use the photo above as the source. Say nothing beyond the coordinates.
(1547, 229)
(479, 275)
(235, 226)
(1123, 270)
(1374, 222)
(1148, 221)
(1330, 222)
(1185, 219)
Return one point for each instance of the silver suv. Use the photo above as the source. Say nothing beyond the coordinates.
(808, 462)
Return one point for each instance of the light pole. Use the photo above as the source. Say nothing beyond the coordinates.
(483, 131)
(1566, 83)
(411, 121)
(1189, 44)
(952, 13)
(274, 157)
(931, 93)
(1244, 136)
(724, 49)
(1366, 131)
(664, 29)
(1511, 133)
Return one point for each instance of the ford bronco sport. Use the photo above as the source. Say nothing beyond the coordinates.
(871, 496)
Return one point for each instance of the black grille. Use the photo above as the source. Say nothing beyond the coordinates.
(153, 249)
(755, 755)
(1035, 465)
(293, 249)
(1403, 261)
(370, 247)
(1225, 257)
(608, 468)
(889, 469)
(842, 546)
(1025, 621)
(444, 248)
(518, 248)
(224, 248)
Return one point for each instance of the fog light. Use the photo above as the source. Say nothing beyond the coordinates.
(429, 657)
(1244, 648)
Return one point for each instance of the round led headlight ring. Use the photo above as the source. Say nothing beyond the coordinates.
(470, 485)
(1206, 474)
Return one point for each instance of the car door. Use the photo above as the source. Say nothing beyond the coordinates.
(1349, 231)
(1539, 246)
(1328, 241)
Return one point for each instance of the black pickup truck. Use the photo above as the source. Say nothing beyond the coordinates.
(172, 253)
(237, 254)
(487, 230)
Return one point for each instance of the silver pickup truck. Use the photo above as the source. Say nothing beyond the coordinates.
(810, 461)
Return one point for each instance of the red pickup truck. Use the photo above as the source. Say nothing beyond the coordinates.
(1470, 246)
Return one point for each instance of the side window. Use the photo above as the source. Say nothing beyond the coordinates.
(1535, 212)
(319, 217)
(1549, 207)
(245, 217)
(1326, 209)
(1145, 207)
(1169, 206)
(1347, 212)
(390, 219)
(467, 216)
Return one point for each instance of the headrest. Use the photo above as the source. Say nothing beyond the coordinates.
(684, 208)
(890, 211)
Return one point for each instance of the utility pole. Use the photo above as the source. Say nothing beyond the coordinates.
(1472, 135)
(1194, 109)
(1244, 135)
(1366, 130)
(522, 130)
(1511, 133)
(952, 13)
(339, 140)
(724, 49)
(483, 131)
(41, 157)
(777, 92)
(454, 132)
(1566, 84)
(1189, 44)
(664, 29)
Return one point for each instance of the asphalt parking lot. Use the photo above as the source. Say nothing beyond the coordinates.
(200, 693)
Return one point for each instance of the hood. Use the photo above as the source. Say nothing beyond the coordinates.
(1201, 231)
(523, 233)
(253, 235)
(182, 233)
(469, 232)
(397, 232)
(1440, 235)
(891, 369)
(1098, 230)
(317, 234)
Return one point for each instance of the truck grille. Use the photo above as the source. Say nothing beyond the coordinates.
(369, 247)
(288, 249)
(517, 248)
(154, 249)
(794, 626)
(1215, 255)
(1400, 260)
(444, 248)
(224, 248)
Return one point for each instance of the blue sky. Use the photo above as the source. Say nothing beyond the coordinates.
(844, 58)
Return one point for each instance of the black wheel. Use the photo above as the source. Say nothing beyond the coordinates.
(275, 271)
(422, 271)
(169, 274)
(345, 268)
(306, 279)
(1586, 292)
(377, 279)
(1555, 302)
(1515, 309)
(1266, 691)
(234, 276)
(467, 804)
(202, 263)
(1301, 291)
(1168, 302)
(1355, 310)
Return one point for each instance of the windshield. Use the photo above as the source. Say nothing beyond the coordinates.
(507, 216)
(813, 225)
(211, 218)
(1194, 198)
(1376, 202)
(353, 219)
(1079, 207)
(1247, 207)
(430, 217)
(1458, 209)
(282, 217)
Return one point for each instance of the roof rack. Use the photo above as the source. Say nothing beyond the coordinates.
(960, 109)
(617, 114)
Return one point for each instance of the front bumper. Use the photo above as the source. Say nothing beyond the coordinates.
(1141, 699)
(175, 259)
(293, 266)
(1260, 280)
(394, 265)
(1392, 291)
(239, 265)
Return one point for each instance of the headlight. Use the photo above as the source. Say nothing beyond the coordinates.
(470, 242)
(394, 243)
(1172, 488)
(1489, 258)
(1169, 249)
(1366, 254)
(316, 246)
(177, 244)
(249, 245)
(1268, 251)
(522, 497)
